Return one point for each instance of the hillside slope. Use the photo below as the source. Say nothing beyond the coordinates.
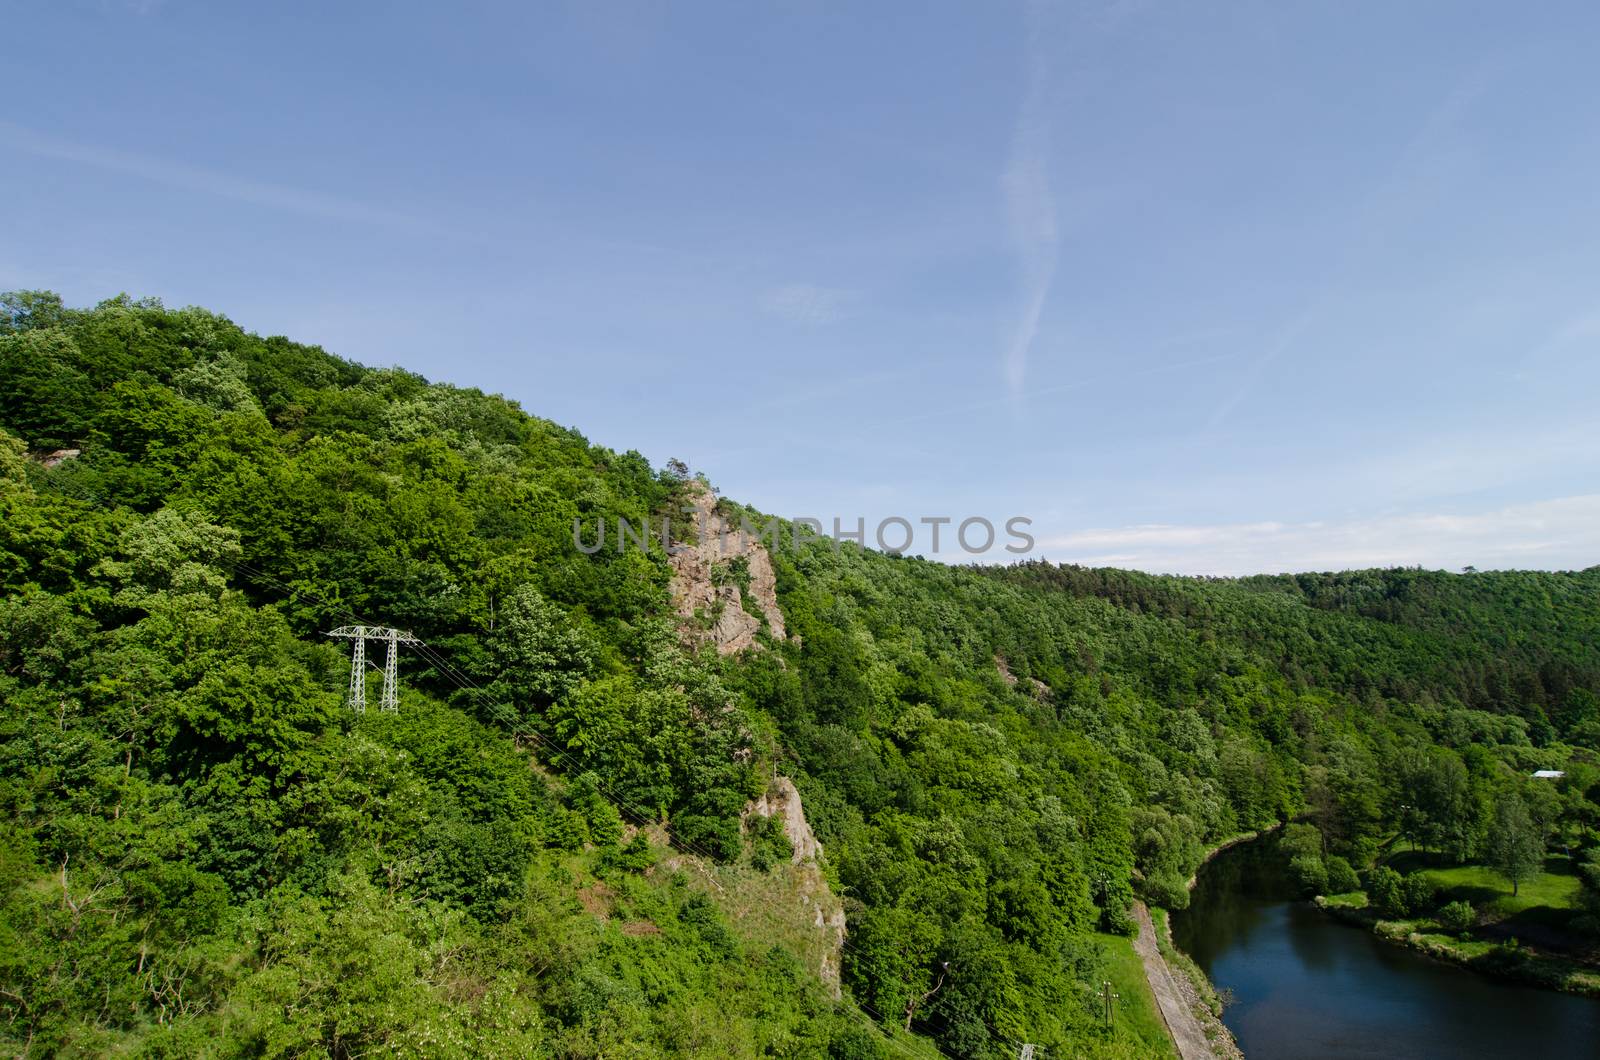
(547, 850)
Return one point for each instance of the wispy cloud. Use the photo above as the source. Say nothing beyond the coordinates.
(1579, 334)
(1559, 533)
(1413, 177)
(956, 413)
(208, 181)
(1481, 457)
(1030, 208)
(1291, 334)
(805, 303)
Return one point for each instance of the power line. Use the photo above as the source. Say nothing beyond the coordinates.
(359, 635)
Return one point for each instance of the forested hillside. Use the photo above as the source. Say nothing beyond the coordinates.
(542, 853)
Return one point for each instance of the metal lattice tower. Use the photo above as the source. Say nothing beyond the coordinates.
(358, 664)
(358, 669)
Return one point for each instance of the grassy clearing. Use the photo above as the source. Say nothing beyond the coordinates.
(1557, 888)
(1541, 911)
(1138, 1020)
(1431, 939)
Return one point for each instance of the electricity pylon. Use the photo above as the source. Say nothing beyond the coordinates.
(358, 664)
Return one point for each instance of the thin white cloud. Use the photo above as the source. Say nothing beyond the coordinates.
(805, 303)
(206, 181)
(1412, 178)
(1562, 533)
(1492, 456)
(1576, 335)
(955, 413)
(1253, 370)
(1030, 209)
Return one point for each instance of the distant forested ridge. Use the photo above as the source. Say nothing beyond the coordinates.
(544, 853)
(1511, 642)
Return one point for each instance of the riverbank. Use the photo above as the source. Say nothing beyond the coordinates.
(1529, 965)
(1201, 997)
(1197, 1004)
(1523, 964)
(1301, 985)
(1179, 1008)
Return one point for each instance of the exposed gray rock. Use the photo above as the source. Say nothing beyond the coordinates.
(60, 456)
(696, 593)
(782, 800)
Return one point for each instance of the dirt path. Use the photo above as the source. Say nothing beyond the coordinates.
(1181, 1023)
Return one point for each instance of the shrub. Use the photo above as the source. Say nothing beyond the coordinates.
(1508, 957)
(701, 914)
(1589, 877)
(852, 1042)
(1421, 894)
(769, 843)
(603, 821)
(567, 830)
(1457, 917)
(635, 857)
(1363, 850)
(1118, 921)
(1168, 890)
(1387, 892)
(717, 835)
(1309, 874)
(1342, 879)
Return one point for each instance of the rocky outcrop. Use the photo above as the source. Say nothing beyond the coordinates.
(817, 901)
(828, 915)
(710, 578)
(1039, 689)
(59, 457)
(782, 800)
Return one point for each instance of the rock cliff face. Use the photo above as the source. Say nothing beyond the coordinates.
(817, 900)
(782, 801)
(707, 578)
(724, 591)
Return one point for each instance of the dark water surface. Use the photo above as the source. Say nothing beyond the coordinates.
(1305, 985)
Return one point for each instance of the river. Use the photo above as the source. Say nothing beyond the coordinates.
(1305, 985)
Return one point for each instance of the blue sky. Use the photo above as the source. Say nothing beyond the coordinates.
(1196, 288)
